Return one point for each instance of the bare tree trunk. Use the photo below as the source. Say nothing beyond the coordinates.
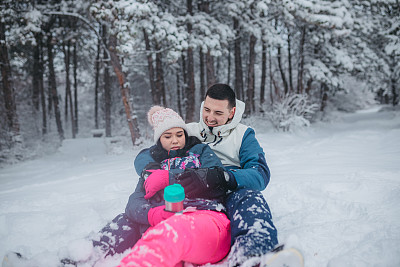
(202, 82)
(178, 91)
(37, 81)
(301, 62)
(190, 90)
(41, 87)
(160, 85)
(96, 86)
(324, 91)
(8, 90)
(205, 7)
(308, 88)
(393, 82)
(290, 63)
(185, 82)
(75, 64)
(283, 77)
(107, 84)
(210, 69)
(53, 87)
(238, 61)
(229, 66)
(271, 94)
(153, 89)
(251, 76)
(35, 73)
(68, 94)
(132, 120)
(263, 74)
(67, 89)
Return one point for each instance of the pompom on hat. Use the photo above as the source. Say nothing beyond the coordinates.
(163, 119)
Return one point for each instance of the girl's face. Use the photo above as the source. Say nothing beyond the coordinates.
(173, 139)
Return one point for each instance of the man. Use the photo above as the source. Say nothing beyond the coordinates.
(247, 173)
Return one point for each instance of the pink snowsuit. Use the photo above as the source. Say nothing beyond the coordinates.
(198, 237)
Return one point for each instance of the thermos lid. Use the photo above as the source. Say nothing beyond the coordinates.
(174, 193)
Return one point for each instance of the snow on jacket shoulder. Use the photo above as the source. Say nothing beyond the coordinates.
(237, 147)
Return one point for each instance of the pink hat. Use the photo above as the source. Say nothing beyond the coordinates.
(163, 119)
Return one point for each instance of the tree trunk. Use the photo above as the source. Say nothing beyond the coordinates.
(53, 87)
(178, 91)
(132, 120)
(67, 84)
(41, 87)
(153, 89)
(393, 82)
(190, 90)
(324, 91)
(308, 88)
(272, 84)
(8, 89)
(229, 66)
(68, 94)
(160, 85)
(263, 74)
(37, 81)
(250, 76)
(35, 73)
(96, 85)
(282, 72)
(75, 64)
(185, 82)
(210, 69)
(204, 6)
(301, 62)
(107, 84)
(238, 61)
(190, 101)
(290, 63)
(202, 82)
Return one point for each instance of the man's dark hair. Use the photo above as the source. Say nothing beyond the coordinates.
(222, 91)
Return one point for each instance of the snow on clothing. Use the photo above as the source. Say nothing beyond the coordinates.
(237, 147)
(199, 235)
(252, 229)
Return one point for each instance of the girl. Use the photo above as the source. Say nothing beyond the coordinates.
(202, 233)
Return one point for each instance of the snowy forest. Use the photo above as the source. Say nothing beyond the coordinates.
(74, 68)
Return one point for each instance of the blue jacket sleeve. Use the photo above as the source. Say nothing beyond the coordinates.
(254, 172)
(142, 159)
(138, 207)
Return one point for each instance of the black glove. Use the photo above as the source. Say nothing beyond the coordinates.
(206, 182)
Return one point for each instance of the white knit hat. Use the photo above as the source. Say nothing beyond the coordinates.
(163, 119)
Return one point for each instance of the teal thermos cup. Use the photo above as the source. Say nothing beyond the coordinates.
(174, 196)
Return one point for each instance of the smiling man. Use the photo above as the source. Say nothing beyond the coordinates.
(246, 172)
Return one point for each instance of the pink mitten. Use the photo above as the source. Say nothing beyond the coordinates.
(158, 214)
(157, 180)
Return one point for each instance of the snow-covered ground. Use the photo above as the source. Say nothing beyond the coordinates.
(334, 192)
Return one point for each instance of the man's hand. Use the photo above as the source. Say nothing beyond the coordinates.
(206, 182)
(156, 181)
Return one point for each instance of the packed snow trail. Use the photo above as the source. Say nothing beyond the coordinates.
(334, 192)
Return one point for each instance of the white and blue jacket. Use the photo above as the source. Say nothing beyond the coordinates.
(238, 149)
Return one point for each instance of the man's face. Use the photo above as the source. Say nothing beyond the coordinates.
(217, 112)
